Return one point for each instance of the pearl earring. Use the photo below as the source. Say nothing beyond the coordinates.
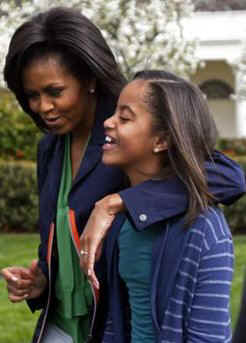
(156, 150)
(92, 91)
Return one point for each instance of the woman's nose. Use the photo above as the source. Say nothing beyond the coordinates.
(45, 105)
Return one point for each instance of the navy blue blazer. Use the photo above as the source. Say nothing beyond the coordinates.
(95, 180)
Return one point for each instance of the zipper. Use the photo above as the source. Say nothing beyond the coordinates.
(154, 280)
(76, 242)
(49, 256)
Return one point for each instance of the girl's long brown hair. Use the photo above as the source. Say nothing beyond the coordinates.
(180, 112)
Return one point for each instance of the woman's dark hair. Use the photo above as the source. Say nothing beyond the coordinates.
(74, 39)
(181, 113)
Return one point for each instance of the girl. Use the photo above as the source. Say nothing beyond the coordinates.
(170, 283)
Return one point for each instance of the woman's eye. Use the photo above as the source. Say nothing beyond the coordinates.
(55, 92)
(32, 96)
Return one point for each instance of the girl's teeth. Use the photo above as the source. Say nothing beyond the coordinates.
(108, 139)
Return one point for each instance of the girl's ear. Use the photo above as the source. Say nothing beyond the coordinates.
(160, 145)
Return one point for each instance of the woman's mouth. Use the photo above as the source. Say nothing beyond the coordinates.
(52, 121)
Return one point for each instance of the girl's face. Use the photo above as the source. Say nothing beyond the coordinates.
(62, 101)
(131, 142)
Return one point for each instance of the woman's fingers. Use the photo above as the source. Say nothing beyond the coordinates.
(94, 233)
(87, 262)
(93, 279)
(17, 299)
(19, 283)
(17, 276)
(98, 224)
(24, 283)
(17, 291)
(8, 275)
(89, 253)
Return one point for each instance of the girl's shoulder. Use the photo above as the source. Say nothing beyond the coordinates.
(210, 228)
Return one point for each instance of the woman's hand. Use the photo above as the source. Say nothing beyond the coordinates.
(95, 230)
(24, 283)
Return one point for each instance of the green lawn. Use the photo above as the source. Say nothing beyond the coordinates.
(240, 264)
(17, 322)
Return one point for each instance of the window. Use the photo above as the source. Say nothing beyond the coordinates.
(216, 89)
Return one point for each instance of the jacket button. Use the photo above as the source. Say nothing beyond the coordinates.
(143, 217)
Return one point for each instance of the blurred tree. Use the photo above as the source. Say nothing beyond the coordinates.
(146, 33)
(219, 5)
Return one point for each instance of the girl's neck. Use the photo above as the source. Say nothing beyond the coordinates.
(157, 175)
(138, 176)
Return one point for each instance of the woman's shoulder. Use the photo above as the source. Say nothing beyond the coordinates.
(47, 141)
(47, 148)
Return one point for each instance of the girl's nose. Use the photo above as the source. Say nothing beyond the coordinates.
(110, 122)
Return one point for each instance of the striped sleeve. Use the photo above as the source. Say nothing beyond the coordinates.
(210, 313)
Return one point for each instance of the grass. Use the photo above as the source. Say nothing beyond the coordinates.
(239, 274)
(17, 322)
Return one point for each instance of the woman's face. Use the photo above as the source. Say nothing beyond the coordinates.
(131, 142)
(61, 100)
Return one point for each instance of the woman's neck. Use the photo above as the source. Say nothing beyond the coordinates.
(80, 134)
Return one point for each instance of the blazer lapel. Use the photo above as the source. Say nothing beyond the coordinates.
(51, 185)
(91, 158)
(111, 241)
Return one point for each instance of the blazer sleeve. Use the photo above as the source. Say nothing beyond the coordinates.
(154, 200)
(39, 303)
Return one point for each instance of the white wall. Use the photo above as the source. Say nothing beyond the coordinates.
(223, 112)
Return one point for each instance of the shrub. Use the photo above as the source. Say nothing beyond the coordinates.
(18, 196)
(19, 199)
(234, 146)
(18, 134)
(235, 213)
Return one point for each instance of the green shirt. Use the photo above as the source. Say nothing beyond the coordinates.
(135, 258)
(73, 292)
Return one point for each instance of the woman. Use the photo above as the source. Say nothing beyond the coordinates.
(170, 283)
(65, 77)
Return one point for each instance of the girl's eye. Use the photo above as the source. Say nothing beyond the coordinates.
(124, 119)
